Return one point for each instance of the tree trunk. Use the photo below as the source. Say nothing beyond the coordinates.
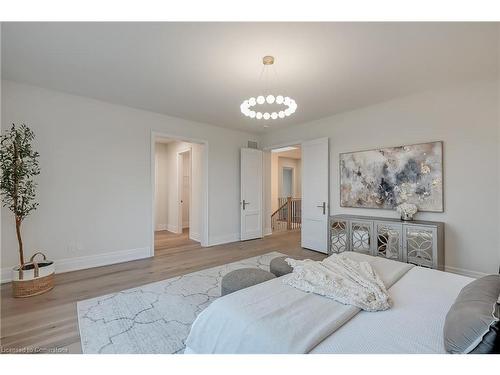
(16, 198)
(20, 241)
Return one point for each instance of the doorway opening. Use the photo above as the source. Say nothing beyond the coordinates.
(307, 208)
(286, 189)
(178, 202)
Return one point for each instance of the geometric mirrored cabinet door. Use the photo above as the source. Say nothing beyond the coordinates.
(338, 236)
(361, 233)
(419, 246)
(389, 241)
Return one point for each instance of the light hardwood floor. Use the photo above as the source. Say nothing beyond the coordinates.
(50, 320)
(168, 243)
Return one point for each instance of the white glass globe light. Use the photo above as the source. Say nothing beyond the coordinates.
(248, 107)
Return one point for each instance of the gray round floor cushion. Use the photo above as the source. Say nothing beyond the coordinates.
(280, 267)
(243, 278)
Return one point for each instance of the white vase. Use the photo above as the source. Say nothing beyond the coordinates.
(406, 217)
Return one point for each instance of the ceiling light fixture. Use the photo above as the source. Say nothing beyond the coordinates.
(289, 105)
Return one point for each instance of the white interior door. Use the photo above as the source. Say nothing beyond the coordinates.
(251, 194)
(315, 193)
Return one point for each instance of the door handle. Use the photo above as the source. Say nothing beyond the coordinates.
(245, 204)
(323, 206)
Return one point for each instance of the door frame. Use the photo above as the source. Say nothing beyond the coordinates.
(180, 185)
(204, 222)
(268, 231)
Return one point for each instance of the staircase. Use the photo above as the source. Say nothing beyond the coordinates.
(288, 216)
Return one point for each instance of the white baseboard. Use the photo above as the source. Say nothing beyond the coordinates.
(105, 259)
(194, 236)
(161, 227)
(219, 240)
(173, 228)
(464, 272)
(89, 261)
(268, 231)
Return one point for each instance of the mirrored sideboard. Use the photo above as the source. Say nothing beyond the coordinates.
(416, 242)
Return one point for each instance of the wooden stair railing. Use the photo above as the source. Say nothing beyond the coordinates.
(288, 216)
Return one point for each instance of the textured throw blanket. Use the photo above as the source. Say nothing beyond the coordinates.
(273, 317)
(343, 279)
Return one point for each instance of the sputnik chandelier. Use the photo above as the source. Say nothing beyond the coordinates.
(250, 106)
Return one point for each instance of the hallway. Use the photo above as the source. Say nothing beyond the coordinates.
(168, 242)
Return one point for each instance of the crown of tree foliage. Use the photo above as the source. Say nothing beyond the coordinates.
(19, 165)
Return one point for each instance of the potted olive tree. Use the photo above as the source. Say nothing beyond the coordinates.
(19, 166)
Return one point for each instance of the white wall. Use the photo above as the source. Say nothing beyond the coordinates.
(275, 176)
(195, 204)
(466, 119)
(166, 187)
(1, 127)
(268, 185)
(161, 186)
(186, 188)
(273, 165)
(173, 150)
(95, 189)
(295, 164)
(276, 164)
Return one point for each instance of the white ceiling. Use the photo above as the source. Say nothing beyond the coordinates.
(202, 71)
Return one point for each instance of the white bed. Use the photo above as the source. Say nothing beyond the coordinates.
(421, 298)
(414, 324)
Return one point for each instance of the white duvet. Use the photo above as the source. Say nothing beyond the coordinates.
(273, 317)
(414, 324)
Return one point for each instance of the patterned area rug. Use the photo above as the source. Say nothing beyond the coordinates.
(157, 317)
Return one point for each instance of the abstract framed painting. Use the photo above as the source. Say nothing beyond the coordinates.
(386, 177)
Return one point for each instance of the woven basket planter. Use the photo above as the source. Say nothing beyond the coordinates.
(35, 277)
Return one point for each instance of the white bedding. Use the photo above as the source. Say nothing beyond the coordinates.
(275, 318)
(421, 299)
(414, 324)
(342, 279)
